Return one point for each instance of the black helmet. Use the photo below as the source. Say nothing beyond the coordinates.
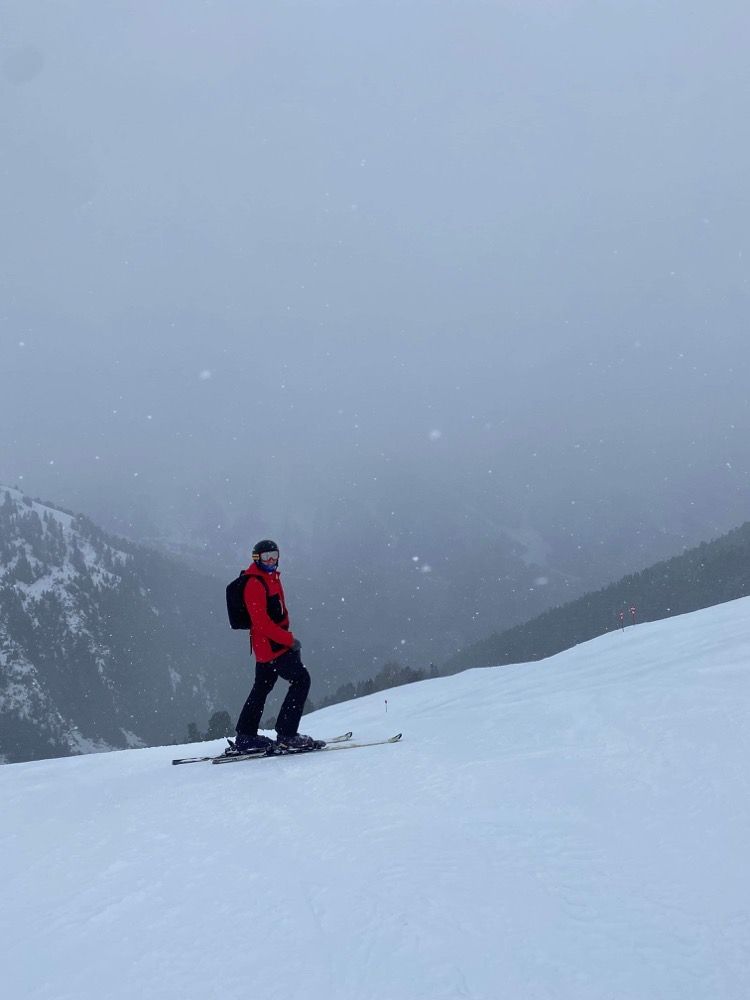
(264, 545)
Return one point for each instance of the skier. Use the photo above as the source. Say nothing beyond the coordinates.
(277, 654)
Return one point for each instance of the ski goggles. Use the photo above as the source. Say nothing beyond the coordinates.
(269, 557)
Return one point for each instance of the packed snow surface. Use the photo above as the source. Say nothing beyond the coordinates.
(573, 829)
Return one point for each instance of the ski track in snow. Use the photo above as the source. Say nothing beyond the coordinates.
(573, 829)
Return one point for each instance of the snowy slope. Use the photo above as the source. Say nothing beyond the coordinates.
(43, 558)
(103, 644)
(571, 829)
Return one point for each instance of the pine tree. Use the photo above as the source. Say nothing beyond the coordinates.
(219, 726)
(193, 735)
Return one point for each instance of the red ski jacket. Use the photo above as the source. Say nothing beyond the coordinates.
(269, 636)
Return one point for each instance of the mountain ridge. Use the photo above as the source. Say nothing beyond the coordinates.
(705, 575)
(103, 644)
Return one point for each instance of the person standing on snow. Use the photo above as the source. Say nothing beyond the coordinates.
(277, 654)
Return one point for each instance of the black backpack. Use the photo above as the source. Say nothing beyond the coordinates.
(236, 608)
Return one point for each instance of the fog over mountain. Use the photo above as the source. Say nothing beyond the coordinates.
(448, 296)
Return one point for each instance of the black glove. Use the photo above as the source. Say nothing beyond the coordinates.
(296, 646)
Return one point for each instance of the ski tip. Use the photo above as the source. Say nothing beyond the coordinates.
(396, 738)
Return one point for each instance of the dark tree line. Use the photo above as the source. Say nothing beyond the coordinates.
(711, 573)
(219, 725)
(391, 675)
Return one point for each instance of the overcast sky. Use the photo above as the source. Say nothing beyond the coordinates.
(299, 251)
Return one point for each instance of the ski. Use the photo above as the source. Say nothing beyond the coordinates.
(341, 739)
(249, 756)
(292, 752)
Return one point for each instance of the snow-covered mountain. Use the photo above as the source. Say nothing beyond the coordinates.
(103, 644)
(571, 829)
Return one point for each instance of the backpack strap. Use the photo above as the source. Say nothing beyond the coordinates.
(248, 577)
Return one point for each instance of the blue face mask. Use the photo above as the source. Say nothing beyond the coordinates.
(268, 567)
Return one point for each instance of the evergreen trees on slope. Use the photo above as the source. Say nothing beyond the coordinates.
(711, 573)
(102, 643)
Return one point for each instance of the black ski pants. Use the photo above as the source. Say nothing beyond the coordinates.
(290, 668)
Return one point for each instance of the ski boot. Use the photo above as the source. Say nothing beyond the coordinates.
(296, 741)
(244, 743)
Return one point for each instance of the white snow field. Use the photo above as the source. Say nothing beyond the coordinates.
(573, 829)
